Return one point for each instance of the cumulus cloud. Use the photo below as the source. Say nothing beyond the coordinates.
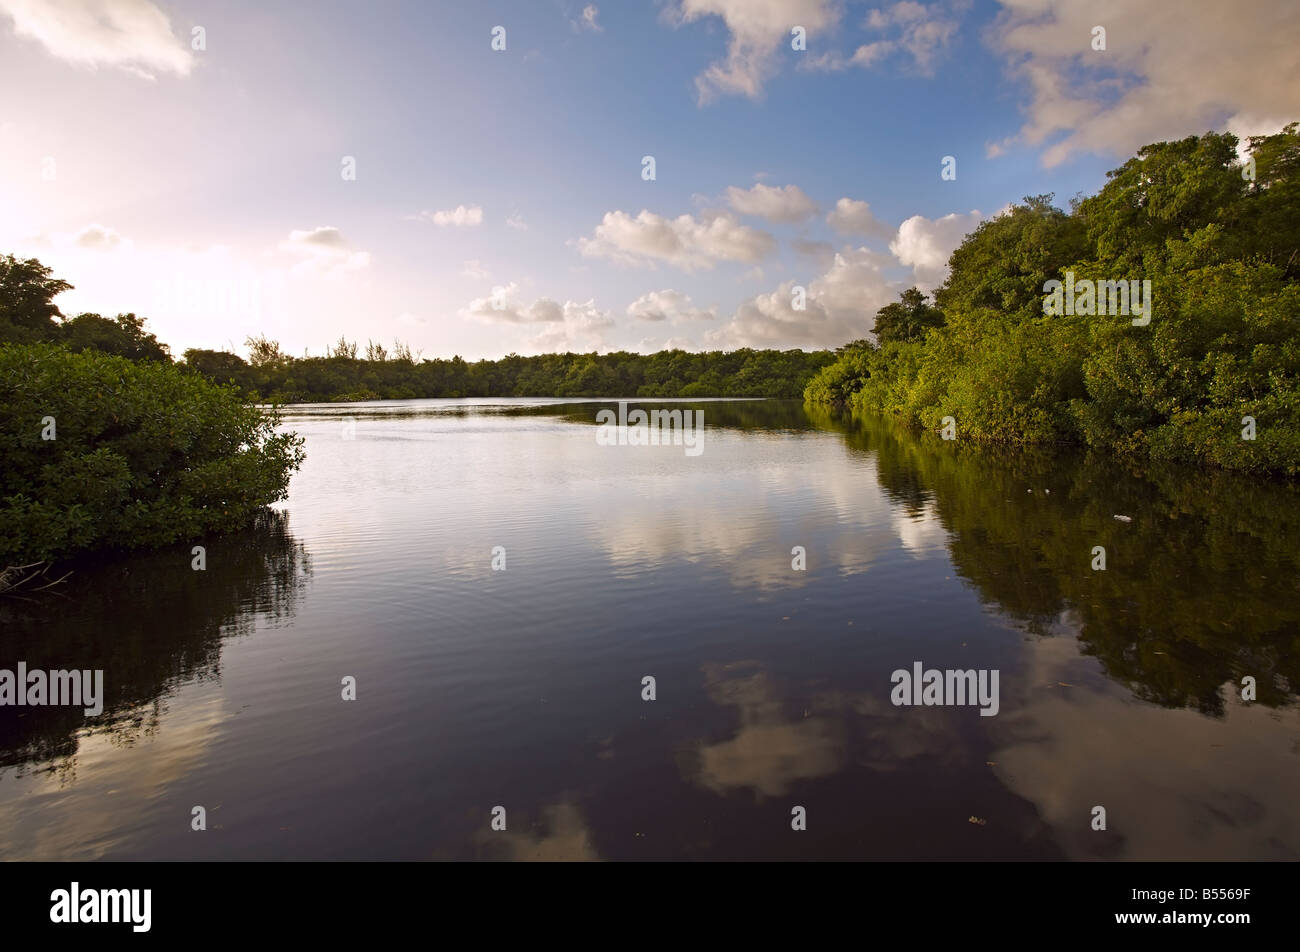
(93, 237)
(517, 223)
(579, 325)
(841, 303)
(324, 249)
(462, 216)
(853, 217)
(758, 33)
(684, 241)
(582, 327)
(921, 33)
(134, 35)
(786, 203)
(97, 238)
(667, 305)
(502, 306)
(1170, 68)
(840, 306)
(925, 244)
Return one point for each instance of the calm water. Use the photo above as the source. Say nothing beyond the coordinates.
(522, 688)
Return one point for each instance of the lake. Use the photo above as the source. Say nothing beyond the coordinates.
(521, 686)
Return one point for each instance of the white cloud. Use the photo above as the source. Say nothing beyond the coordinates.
(786, 203)
(92, 238)
(853, 217)
(759, 31)
(134, 35)
(503, 307)
(908, 11)
(840, 306)
(474, 269)
(98, 238)
(667, 305)
(1171, 68)
(923, 33)
(517, 222)
(462, 216)
(925, 244)
(684, 241)
(573, 325)
(324, 249)
(582, 327)
(866, 55)
(588, 19)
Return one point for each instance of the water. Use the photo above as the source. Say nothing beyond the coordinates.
(522, 688)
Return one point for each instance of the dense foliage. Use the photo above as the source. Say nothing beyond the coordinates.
(101, 451)
(29, 315)
(1220, 243)
(669, 373)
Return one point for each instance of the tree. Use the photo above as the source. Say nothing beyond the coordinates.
(344, 348)
(1181, 227)
(219, 365)
(265, 353)
(27, 292)
(146, 454)
(1004, 262)
(907, 319)
(124, 336)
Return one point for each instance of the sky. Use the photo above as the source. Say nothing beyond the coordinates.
(379, 171)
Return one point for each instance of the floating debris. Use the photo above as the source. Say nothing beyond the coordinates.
(1124, 518)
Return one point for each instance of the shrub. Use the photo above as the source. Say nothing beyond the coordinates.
(143, 454)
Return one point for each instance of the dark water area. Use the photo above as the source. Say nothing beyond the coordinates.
(522, 688)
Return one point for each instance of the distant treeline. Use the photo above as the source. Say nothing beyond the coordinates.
(28, 315)
(1205, 368)
(271, 375)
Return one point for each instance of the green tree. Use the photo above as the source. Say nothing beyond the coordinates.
(124, 336)
(27, 293)
(906, 319)
(219, 365)
(142, 454)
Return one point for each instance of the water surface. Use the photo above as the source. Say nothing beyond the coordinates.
(523, 688)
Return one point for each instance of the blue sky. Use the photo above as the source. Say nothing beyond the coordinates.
(203, 187)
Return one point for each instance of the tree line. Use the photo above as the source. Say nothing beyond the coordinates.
(1213, 377)
(399, 375)
(346, 372)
